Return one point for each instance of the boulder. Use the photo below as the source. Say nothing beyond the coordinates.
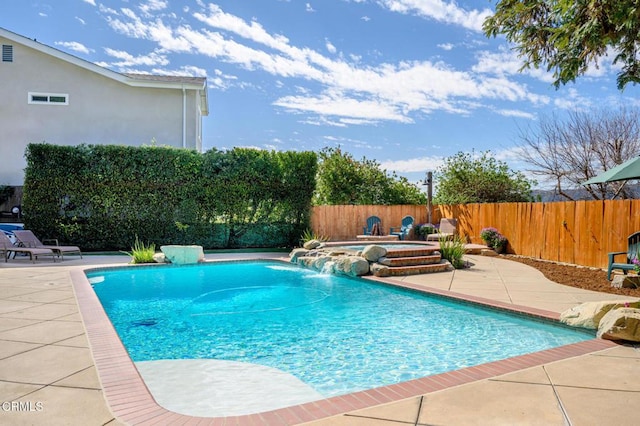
(589, 314)
(305, 261)
(183, 255)
(318, 262)
(488, 252)
(620, 324)
(356, 266)
(330, 267)
(380, 270)
(296, 253)
(372, 253)
(625, 281)
(160, 258)
(312, 244)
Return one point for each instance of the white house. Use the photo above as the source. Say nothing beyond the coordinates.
(54, 97)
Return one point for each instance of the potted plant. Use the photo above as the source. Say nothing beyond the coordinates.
(494, 239)
(423, 229)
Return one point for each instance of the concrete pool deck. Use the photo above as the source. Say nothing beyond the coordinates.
(48, 372)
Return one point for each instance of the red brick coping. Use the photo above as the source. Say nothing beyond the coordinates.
(131, 402)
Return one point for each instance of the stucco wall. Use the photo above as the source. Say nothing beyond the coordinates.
(100, 110)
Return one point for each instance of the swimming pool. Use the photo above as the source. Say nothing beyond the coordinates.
(336, 334)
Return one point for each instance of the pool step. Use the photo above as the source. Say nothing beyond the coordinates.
(410, 260)
(413, 252)
(392, 271)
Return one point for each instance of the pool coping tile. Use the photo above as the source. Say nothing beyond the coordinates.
(131, 401)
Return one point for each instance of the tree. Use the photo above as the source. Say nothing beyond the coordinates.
(343, 180)
(466, 178)
(569, 152)
(568, 36)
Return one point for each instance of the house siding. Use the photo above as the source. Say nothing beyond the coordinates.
(100, 110)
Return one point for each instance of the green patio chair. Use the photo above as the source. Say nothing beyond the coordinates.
(404, 229)
(633, 245)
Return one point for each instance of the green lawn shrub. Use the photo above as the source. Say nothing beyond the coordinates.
(101, 197)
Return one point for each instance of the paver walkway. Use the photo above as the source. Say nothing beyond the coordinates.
(47, 372)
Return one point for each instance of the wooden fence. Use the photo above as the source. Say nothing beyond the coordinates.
(576, 232)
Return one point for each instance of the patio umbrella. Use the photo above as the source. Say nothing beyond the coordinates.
(628, 170)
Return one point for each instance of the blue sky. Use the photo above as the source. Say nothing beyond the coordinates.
(404, 82)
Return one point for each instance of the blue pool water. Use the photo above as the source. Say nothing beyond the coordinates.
(337, 334)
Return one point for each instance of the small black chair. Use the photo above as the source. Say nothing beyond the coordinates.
(633, 245)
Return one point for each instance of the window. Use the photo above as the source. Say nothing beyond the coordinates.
(7, 53)
(49, 98)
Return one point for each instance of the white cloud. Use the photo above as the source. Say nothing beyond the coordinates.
(413, 165)
(350, 142)
(75, 46)
(82, 21)
(220, 80)
(365, 18)
(439, 10)
(128, 60)
(506, 62)
(186, 70)
(346, 107)
(309, 8)
(153, 6)
(572, 100)
(91, 2)
(514, 153)
(446, 46)
(330, 47)
(350, 92)
(107, 10)
(516, 113)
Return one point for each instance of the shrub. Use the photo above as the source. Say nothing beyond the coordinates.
(309, 235)
(99, 197)
(493, 238)
(141, 253)
(424, 229)
(453, 250)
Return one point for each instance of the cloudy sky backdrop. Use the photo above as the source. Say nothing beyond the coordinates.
(404, 82)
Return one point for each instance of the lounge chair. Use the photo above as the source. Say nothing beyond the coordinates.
(26, 238)
(7, 247)
(446, 230)
(373, 226)
(633, 245)
(404, 230)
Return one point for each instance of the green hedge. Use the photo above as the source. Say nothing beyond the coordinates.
(102, 197)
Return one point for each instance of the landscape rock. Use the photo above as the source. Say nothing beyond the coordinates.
(372, 253)
(625, 281)
(160, 258)
(312, 244)
(357, 266)
(318, 262)
(296, 253)
(329, 267)
(305, 261)
(589, 314)
(488, 252)
(380, 270)
(620, 324)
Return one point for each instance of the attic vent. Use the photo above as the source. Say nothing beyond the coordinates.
(7, 53)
